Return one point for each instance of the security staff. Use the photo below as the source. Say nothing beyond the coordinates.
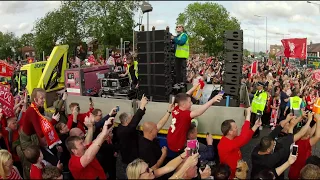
(132, 72)
(295, 104)
(258, 105)
(181, 42)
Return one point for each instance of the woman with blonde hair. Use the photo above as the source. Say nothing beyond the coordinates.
(7, 170)
(138, 169)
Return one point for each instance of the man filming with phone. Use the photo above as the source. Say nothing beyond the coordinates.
(258, 105)
(128, 136)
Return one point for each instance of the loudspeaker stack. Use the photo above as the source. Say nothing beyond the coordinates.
(233, 54)
(155, 74)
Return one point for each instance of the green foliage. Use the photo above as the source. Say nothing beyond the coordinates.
(48, 30)
(27, 40)
(208, 21)
(246, 52)
(111, 20)
(8, 45)
(262, 53)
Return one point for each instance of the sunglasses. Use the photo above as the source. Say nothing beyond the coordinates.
(178, 26)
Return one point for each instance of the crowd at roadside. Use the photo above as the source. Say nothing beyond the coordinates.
(87, 146)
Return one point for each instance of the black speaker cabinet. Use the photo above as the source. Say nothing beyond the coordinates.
(233, 68)
(231, 90)
(234, 35)
(232, 79)
(233, 57)
(234, 46)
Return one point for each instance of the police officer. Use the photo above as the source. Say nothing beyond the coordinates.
(181, 42)
(258, 105)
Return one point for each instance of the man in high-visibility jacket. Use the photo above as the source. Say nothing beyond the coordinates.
(132, 72)
(181, 42)
(258, 104)
(295, 104)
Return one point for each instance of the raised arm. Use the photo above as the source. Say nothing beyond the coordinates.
(286, 165)
(207, 105)
(314, 139)
(165, 118)
(304, 129)
(92, 151)
(170, 166)
(139, 114)
(88, 122)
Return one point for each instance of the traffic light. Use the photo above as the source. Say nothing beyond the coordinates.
(127, 47)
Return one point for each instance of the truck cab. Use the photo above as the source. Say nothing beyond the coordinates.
(48, 75)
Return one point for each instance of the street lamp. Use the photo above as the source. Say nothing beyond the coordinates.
(254, 39)
(266, 31)
(314, 3)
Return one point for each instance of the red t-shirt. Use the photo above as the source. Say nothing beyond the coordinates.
(304, 152)
(308, 99)
(229, 150)
(92, 171)
(35, 172)
(177, 133)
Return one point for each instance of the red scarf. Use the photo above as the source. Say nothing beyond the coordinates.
(48, 130)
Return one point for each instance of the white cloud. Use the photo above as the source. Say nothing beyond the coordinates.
(23, 26)
(302, 19)
(275, 10)
(13, 7)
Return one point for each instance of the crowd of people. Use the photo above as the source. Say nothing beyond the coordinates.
(87, 146)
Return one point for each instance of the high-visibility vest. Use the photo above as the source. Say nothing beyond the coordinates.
(23, 80)
(295, 103)
(183, 51)
(259, 102)
(135, 67)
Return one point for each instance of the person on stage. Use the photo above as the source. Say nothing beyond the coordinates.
(181, 42)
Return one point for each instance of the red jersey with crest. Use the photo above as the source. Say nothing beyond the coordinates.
(177, 133)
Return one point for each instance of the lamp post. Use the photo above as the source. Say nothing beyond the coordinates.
(254, 39)
(266, 30)
(314, 3)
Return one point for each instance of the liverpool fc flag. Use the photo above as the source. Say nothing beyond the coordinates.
(295, 48)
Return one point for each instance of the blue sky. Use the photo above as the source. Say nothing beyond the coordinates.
(288, 19)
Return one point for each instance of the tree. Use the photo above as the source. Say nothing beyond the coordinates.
(27, 40)
(111, 20)
(8, 45)
(262, 53)
(74, 15)
(208, 21)
(48, 30)
(246, 52)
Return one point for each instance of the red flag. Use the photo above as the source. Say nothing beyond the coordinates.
(295, 48)
(6, 101)
(6, 69)
(316, 75)
(254, 68)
